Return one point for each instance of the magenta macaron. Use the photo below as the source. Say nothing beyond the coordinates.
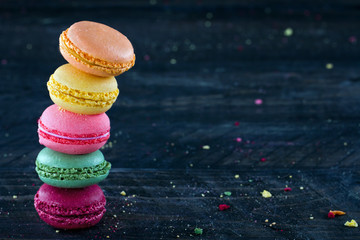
(70, 208)
(72, 133)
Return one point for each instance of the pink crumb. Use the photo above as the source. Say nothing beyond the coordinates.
(352, 39)
(263, 159)
(238, 139)
(258, 101)
(146, 57)
(331, 215)
(287, 189)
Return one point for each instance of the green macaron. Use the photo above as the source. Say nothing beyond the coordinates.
(71, 171)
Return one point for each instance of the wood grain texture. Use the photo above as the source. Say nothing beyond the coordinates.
(200, 67)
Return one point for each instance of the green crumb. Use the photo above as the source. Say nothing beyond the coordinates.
(198, 231)
(227, 193)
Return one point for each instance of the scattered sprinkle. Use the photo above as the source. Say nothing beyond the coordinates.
(191, 165)
(352, 223)
(352, 39)
(203, 195)
(266, 220)
(223, 207)
(248, 42)
(301, 188)
(114, 216)
(258, 101)
(288, 32)
(198, 231)
(15, 197)
(221, 195)
(240, 48)
(123, 193)
(146, 57)
(207, 24)
(206, 147)
(345, 144)
(311, 218)
(227, 193)
(236, 176)
(273, 223)
(107, 236)
(290, 176)
(266, 194)
(57, 231)
(329, 66)
(238, 139)
(287, 189)
(335, 213)
(236, 123)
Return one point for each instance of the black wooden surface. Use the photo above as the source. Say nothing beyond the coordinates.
(200, 67)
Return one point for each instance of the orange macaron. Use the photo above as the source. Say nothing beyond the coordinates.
(97, 49)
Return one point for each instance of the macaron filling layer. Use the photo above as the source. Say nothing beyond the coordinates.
(57, 173)
(67, 138)
(92, 99)
(84, 58)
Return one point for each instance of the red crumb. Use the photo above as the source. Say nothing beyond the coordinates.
(236, 123)
(331, 215)
(287, 189)
(223, 207)
(263, 159)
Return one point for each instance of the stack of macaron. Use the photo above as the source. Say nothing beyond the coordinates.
(76, 126)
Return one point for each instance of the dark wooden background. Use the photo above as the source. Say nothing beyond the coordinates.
(200, 66)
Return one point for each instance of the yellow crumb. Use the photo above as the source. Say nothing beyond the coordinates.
(266, 194)
(352, 223)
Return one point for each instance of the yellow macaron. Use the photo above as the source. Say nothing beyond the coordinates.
(80, 92)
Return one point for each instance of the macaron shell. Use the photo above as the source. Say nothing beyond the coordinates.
(92, 69)
(70, 208)
(101, 41)
(71, 223)
(69, 148)
(53, 158)
(88, 110)
(82, 81)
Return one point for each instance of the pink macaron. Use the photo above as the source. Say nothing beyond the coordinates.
(72, 133)
(70, 208)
